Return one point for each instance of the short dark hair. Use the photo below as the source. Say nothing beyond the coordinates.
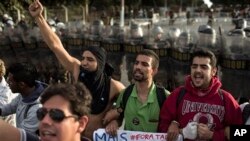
(151, 53)
(206, 53)
(77, 94)
(24, 72)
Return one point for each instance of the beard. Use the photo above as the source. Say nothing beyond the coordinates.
(139, 76)
(200, 81)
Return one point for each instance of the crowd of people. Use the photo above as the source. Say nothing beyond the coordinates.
(198, 110)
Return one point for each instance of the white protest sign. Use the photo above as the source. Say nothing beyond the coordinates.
(123, 135)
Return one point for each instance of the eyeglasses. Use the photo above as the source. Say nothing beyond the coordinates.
(55, 114)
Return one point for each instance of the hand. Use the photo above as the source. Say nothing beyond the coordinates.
(203, 132)
(190, 131)
(112, 114)
(112, 128)
(36, 9)
(173, 131)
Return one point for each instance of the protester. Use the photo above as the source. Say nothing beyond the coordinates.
(200, 110)
(5, 94)
(22, 79)
(142, 108)
(63, 115)
(91, 70)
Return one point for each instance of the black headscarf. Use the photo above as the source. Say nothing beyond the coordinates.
(98, 82)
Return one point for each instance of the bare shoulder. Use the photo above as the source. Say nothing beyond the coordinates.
(116, 87)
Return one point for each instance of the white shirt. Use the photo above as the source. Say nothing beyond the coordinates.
(242, 106)
(5, 97)
(5, 92)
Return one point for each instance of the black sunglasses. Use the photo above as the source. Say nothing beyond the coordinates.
(55, 114)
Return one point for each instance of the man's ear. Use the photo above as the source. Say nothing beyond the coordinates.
(155, 71)
(83, 123)
(214, 71)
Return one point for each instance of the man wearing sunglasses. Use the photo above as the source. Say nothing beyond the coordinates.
(63, 116)
(22, 79)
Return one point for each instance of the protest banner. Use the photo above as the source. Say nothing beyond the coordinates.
(123, 135)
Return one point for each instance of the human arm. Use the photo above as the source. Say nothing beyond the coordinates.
(117, 116)
(173, 131)
(112, 127)
(190, 131)
(116, 88)
(167, 123)
(112, 114)
(11, 133)
(115, 120)
(5, 94)
(52, 40)
(8, 132)
(168, 114)
(11, 107)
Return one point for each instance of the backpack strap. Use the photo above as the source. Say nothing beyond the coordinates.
(221, 96)
(27, 109)
(161, 95)
(182, 92)
(45, 85)
(126, 94)
(160, 91)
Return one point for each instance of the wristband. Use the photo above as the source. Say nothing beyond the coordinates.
(178, 124)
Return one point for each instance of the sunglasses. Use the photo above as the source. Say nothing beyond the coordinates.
(56, 115)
